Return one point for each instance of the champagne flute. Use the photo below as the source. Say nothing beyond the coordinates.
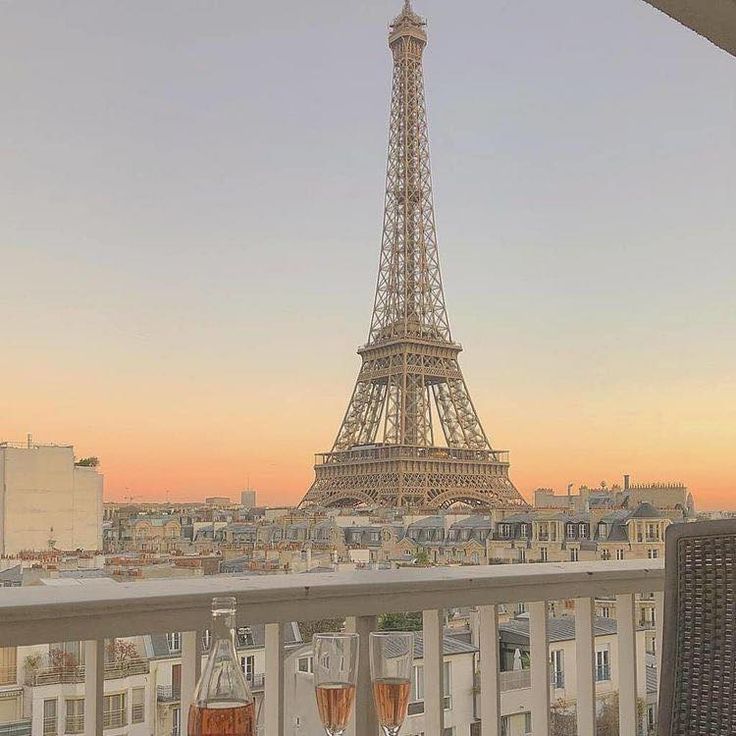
(392, 658)
(335, 673)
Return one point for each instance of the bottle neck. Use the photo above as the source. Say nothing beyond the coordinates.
(223, 626)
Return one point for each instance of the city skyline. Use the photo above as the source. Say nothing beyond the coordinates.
(588, 265)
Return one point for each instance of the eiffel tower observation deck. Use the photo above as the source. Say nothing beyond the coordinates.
(410, 436)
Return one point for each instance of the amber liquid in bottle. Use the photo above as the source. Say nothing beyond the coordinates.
(391, 697)
(335, 704)
(223, 721)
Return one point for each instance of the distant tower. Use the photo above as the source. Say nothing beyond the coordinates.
(410, 383)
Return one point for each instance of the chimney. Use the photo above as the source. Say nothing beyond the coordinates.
(626, 482)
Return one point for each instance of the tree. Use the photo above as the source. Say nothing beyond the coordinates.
(321, 626)
(401, 621)
(421, 558)
(563, 720)
(62, 661)
(607, 720)
(121, 652)
(88, 462)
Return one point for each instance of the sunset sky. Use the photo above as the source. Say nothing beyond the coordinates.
(190, 213)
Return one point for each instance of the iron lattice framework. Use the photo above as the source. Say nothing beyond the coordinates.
(410, 382)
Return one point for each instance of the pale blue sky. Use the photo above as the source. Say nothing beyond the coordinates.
(191, 194)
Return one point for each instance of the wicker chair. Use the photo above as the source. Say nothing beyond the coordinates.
(697, 694)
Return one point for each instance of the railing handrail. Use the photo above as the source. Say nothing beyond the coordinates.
(126, 609)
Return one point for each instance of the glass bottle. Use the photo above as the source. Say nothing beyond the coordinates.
(223, 704)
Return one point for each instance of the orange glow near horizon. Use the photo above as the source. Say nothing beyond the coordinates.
(213, 445)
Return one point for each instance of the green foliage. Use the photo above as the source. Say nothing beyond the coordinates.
(88, 462)
(401, 621)
(321, 626)
(422, 558)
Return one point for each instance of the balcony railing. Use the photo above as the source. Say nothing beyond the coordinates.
(75, 724)
(515, 680)
(369, 453)
(115, 718)
(168, 693)
(36, 615)
(69, 675)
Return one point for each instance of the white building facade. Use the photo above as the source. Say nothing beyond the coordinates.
(47, 501)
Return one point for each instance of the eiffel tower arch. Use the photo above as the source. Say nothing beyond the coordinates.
(410, 436)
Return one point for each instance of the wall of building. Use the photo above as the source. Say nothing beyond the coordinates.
(44, 497)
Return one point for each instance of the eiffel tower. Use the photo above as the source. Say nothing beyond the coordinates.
(410, 384)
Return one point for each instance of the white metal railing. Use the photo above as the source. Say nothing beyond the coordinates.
(36, 615)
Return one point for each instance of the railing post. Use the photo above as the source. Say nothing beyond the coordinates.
(539, 652)
(627, 675)
(490, 660)
(585, 664)
(94, 686)
(274, 684)
(191, 665)
(434, 710)
(365, 722)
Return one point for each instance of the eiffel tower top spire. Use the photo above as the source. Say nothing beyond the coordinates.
(407, 22)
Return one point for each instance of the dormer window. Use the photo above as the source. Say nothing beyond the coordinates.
(570, 530)
(602, 529)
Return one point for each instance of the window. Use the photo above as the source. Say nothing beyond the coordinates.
(305, 664)
(606, 612)
(558, 672)
(447, 685)
(523, 531)
(570, 530)
(527, 722)
(176, 721)
(505, 530)
(606, 554)
(652, 532)
(653, 554)
(138, 705)
(602, 665)
(174, 641)
(74, 716)
(417, 691)
(619, 554)
(50, 720)
(543, 554)
(574, 555)
(8, 664)
(206, 639)
(247, 664)
(582, 531)
(522, 555)
(114, 711)
(651, 718)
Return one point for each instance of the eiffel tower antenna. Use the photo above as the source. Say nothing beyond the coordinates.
(410, 387)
